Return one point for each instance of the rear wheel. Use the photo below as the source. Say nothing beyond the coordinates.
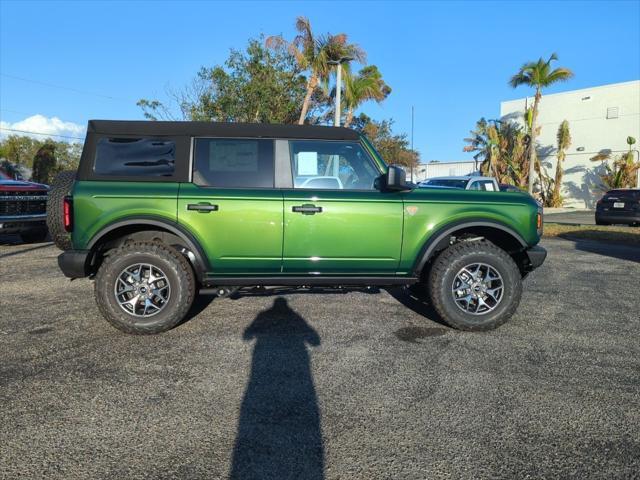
(475, 285)
(61, 187)
(600, 222)
(144, 287)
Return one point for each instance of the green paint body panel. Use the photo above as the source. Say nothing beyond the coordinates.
(429, 210)
(357, 232)
(244, 236)
(254, 232)
(96, 204)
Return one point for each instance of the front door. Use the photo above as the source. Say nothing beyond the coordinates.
(232, 208)
(335, 221)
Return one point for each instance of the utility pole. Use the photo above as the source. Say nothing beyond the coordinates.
(336, 120)
(338, 63)
(412, 151)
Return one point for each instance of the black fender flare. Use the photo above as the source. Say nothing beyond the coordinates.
(430, 245)
(201, 262)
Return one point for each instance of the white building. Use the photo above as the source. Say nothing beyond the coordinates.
(600, 118)
(445, 169)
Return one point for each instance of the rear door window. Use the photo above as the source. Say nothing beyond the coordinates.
(234, 163)
(131, 157)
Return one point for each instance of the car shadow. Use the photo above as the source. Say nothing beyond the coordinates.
(407, 297)
(25, 250)
(200, 303)
(272, 291)
(279, 434)
(622, 252)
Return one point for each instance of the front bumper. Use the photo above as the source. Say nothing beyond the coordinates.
(21, 223)
(74, 263)
(537, 256)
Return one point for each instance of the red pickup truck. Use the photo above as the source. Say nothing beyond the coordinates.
(23, 208)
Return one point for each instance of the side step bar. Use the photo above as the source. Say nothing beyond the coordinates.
(307, 281)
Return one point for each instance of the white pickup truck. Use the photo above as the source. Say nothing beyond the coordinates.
(471, 182)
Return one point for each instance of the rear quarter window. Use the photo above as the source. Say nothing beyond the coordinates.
(133, 157)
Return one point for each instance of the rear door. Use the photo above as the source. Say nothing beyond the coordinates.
(336, 221)
(232, 207)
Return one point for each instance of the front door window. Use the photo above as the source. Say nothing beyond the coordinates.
(332, 166)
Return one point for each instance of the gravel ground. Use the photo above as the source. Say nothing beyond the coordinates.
(353, 385)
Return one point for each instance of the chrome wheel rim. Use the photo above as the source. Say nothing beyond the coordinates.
(477, 289)
(142, 290)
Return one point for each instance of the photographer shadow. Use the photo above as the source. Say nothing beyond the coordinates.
(279, 434)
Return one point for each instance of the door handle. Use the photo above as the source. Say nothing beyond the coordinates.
(204, 207)
(307, 209)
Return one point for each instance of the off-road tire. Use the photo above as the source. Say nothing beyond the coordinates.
(62, 185)
(450, 262)
(179, 274)
(36, 235)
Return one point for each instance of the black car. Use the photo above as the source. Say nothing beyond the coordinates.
(621, 205)
(505, 187)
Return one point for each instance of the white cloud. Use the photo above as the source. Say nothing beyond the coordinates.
(41, 126)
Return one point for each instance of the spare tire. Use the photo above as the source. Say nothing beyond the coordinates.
(62, 185)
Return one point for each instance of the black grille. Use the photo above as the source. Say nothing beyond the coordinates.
(23, 203)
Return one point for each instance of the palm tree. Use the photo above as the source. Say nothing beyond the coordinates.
(564, 141)
(314, 54)
(624, 171)
(502, 148)
(366, 85)
(538, 75)
(485, 140)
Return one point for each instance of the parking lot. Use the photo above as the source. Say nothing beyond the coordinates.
(328, 384)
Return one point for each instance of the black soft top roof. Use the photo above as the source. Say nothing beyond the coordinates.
(215, 129)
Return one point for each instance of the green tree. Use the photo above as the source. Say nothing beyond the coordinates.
(366, 85)
(623, 171)
(257, 85)
(44, 164)
(394, 148)
(20, 152)
(502, 149)
(564, 141)
(314, 54)
(538, 75)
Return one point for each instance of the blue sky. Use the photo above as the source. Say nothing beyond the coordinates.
(450, 60)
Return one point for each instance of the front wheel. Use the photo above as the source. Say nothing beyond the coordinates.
(144, 287)
(475, 285)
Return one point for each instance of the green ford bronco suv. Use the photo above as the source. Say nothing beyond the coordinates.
(159, 211)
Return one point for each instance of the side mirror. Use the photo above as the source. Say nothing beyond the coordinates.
(395, 179)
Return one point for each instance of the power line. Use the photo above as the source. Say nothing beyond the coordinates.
(71, 89)
(40, 133)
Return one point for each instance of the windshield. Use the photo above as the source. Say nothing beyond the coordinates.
(446, 182)
(618, 194)
(370, 146)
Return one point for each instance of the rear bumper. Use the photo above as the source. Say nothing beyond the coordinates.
(537, 256)
(618, 217)
(74, 263)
